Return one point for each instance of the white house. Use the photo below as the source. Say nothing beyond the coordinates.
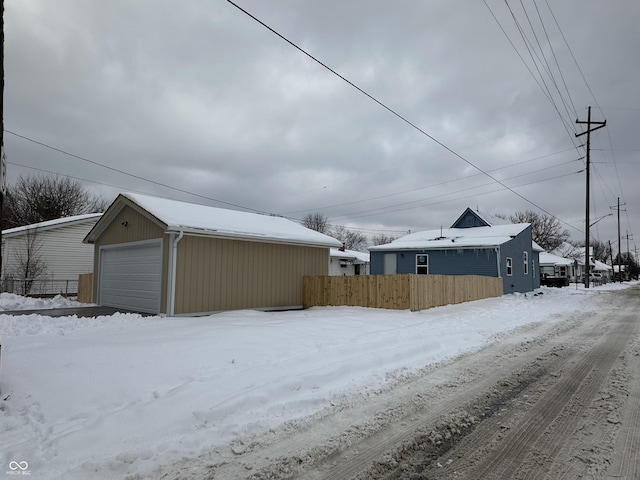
(556, 270)
(56, 251)
(348, 262)
(576, 254)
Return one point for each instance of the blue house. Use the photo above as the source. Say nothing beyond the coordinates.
(472, 246)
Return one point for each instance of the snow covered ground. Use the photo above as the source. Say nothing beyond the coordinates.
(10, 301)
(106, 397)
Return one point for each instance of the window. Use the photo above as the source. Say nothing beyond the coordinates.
(509, 266)
(525, 258)
(422, 264)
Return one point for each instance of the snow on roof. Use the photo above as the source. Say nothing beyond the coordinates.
(551, 259)
(490, 218)
(601, 266)
(456, 238)
(182, 216)
(58, 222)
(360, 256)
(536, 248)
(577, 253)
(486, 217)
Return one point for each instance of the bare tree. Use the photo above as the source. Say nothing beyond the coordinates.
(29, 265)
(317, 222)
(600, 250)
(546, 230)
(351, 239)
(382, 239)
(40, 198)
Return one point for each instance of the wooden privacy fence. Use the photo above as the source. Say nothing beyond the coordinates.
(85, 288)
(400, 292)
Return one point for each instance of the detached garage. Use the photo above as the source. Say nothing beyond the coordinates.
(163, 256)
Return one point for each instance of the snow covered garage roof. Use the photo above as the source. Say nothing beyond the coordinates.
(176, 216)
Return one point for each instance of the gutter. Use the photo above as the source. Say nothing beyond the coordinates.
(252, 238)
(172, 274)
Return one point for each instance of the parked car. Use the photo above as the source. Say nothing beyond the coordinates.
(554, 281)
(595, 278)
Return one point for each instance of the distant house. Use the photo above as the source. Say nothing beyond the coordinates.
(606, 271)
(576, 256)
(175, 258)
(348, 262)
(472, 246)
(556, 271)
(55, 252)
(616, 273)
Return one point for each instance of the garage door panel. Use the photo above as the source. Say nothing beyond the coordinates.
(130, 276)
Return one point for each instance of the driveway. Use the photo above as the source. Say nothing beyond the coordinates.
(91, 311)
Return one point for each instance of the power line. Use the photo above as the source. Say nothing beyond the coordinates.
(473, 195)
(368, 199)
(543, 86)
(133, 175)
(389, 109)
(584, 79)
(379, 212)
(553, 52)
(120, 187)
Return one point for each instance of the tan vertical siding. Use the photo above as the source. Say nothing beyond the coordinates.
(138, 228)
(219, 274)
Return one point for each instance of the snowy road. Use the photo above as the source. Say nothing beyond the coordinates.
(564, 403)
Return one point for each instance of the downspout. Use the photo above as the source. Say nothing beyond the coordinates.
(172, 279)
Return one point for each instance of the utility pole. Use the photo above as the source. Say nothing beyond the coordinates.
(628, 237)
(3, 165)
(619, 241)
(586, 223)
(611, 255)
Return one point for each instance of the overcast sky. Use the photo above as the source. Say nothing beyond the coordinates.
(196, 96)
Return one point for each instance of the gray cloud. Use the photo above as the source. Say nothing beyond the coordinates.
(199, 96)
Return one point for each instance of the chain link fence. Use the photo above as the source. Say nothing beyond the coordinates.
(40, 287)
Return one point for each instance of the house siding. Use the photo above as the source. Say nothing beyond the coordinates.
(60, 249)
(519, 281)
(336, 268)
(473, 261)
(469, 220)
(536, 269)
(139, 227)
(468, 261)
(215, 274)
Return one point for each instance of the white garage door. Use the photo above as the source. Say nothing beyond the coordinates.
(131, 276)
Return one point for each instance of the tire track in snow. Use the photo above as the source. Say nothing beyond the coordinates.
(539, 445)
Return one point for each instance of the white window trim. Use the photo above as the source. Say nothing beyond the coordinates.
(509, 266)
(526, 262)
(427, 265)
